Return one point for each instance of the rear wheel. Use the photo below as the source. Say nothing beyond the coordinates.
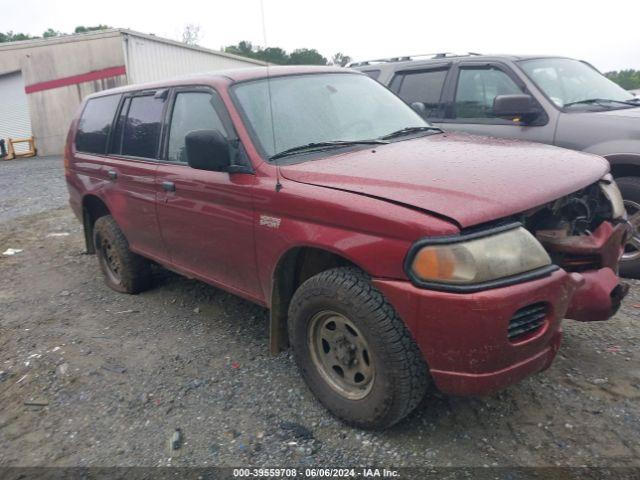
(354, 352)
(630, 261)
(124, 271)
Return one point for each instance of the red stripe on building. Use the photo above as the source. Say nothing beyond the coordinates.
(75, 79)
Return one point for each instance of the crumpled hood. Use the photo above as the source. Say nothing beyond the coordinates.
(470, 179)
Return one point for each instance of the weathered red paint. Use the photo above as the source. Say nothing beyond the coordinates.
(596, 300)
(75, 79)
(369, 207)
(470, 179)
(463, 337)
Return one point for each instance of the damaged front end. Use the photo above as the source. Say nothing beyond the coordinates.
(585, 233)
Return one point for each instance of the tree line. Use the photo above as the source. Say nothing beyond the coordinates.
(628, 79)
(191, 35)
(279, 56)
(10, 36)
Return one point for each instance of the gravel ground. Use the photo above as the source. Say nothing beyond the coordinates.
(90, 377)
(31, 185)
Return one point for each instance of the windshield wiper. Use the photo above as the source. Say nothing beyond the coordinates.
(315, 146)
(409, 131)
(590, 101)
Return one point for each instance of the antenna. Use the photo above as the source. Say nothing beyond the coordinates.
(273, 126)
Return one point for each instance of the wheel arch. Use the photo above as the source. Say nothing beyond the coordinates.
(93, 207)
(294, 267)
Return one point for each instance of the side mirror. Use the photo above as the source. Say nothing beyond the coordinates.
(207, 150)
(515, 106)
(420, 108)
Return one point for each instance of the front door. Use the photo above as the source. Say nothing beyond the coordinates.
(206, 217)
(470, 110)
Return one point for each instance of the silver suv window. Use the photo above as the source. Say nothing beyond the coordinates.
(423, 86)
(477, 88)
(565, 81)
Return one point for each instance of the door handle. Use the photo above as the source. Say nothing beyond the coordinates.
(169, 186)
(112, 174)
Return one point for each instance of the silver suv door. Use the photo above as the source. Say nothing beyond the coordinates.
(469, 108)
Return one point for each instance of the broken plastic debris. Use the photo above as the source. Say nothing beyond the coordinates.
(11, 251)
(176, 439)
(58, 234)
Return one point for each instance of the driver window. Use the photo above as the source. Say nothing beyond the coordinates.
(191, 111)
(477, 88)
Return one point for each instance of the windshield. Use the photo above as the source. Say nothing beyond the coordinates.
(566, 81)
(321, 108)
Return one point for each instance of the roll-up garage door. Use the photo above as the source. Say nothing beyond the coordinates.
(15, 121)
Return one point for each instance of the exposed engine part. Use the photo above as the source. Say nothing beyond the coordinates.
(579, 213)
(570, 229)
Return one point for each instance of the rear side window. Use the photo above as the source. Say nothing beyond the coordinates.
(95, 124)
(140, 127)
(192, 111)
(372, 73)
(425, 87)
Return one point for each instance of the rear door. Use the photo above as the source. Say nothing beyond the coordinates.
(469, 103)
(130, 168)
(424, 85)
(206, 217)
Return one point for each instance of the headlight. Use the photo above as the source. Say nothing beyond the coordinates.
(477, 259)
(612, 192)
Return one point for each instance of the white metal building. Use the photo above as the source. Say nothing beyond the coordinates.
(43, 81)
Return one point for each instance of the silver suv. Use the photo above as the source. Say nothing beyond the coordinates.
(554, 100)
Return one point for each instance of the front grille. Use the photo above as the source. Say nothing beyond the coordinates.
(527, 320)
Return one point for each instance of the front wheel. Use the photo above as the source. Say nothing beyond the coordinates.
(630, 261)
(354, 352)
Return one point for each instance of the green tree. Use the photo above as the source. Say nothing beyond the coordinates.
(306, 56)
(273, 55)
(244, 49)
(628, 79)
(51, 33)
(279, 56)
(83, 29)
(14, 37)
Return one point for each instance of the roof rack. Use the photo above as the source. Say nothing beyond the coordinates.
(408, 58)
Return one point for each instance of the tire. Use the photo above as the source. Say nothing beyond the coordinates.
(394, 375)
(630, 189)
(123, 270)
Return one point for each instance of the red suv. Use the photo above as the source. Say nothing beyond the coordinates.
(391, 254)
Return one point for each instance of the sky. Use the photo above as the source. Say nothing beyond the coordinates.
(603, 33)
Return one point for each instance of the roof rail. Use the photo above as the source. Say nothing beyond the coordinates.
(408, 58)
